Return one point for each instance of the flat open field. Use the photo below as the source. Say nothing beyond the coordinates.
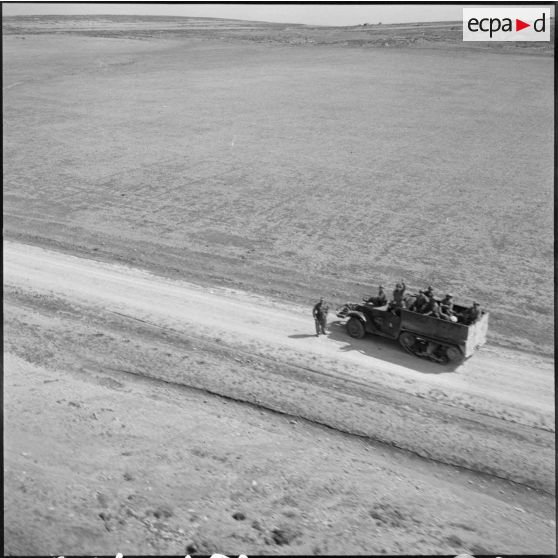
(291, 170)
(164, 391)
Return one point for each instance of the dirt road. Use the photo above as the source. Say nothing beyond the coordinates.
(490, 419)
(512, 385)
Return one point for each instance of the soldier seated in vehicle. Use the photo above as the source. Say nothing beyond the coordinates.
(420, 303)
(432, 308)
(472, 314)
(379, 300)
(446, 308)
(382, 298)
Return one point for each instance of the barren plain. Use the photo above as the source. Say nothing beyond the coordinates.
(177, 192)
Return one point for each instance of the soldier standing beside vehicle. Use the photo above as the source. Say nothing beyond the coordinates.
(319, 312)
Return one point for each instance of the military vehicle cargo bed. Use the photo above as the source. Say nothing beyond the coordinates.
(468, 338)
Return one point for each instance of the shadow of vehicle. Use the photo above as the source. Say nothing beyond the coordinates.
(302, 335)
(387, 350)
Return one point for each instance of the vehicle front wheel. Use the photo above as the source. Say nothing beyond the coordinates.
(355, 328)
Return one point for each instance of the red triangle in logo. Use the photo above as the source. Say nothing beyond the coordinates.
(519, 25)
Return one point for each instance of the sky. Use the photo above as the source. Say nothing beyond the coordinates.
(317, 14)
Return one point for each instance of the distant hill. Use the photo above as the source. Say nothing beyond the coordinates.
(394, 35)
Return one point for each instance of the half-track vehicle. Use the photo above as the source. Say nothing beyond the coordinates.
(423, 336)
